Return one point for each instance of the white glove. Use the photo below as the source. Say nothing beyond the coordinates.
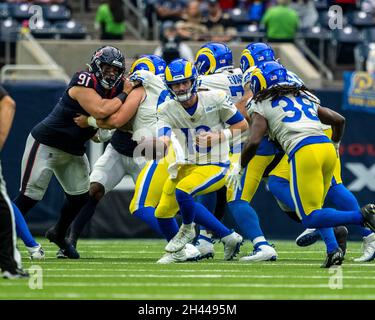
(104, 135)
(234, 177)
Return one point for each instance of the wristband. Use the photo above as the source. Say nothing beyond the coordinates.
(227, 134)
(122, 96)
(92, 122)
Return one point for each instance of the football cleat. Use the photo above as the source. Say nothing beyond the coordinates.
(368, 214)
(36, 253)
(188, 253)
(262, 253)
(308, 237)
(333, 259)
(15, 274)
(185, 235)
(65, 247)
(341, 234)
(368, 247)
(206, 247)
(232, 243)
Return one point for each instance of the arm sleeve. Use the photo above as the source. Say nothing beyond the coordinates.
(3, 92)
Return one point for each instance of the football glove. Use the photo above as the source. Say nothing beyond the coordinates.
(234, 177)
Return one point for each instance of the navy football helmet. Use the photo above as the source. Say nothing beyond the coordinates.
(111, 56)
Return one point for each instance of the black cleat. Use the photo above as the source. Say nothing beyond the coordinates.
(65, 246)
(368, 214)
(341, 234)
(15, 274)
(333, 259)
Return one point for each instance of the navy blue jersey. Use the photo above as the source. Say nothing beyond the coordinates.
(122, 142)
(59, 130)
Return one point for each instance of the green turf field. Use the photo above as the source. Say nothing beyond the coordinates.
(126, 269)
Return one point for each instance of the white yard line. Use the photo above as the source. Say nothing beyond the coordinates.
(143, 296)
(195, 276)
(280, 263)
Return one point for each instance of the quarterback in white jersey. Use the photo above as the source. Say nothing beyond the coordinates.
(198, 119)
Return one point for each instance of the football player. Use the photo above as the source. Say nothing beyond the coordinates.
(57, 144)
(294, 119)
(134, 121)
(255, 54)
(214, 62)
(198, 119)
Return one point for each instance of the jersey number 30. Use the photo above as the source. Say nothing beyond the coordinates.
(296, 108)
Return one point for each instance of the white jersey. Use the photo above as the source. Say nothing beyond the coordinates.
(214, 109)
(144, 121)
(290, 119)
(228, 80)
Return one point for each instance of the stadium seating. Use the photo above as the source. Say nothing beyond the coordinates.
(43, 30)
(239, 16)
(56, 21)
(361, 19)
(9, 29)
(321, 5)
(56, 12)
(344, 40)
(20, 11)
(316, 38)
(4, 10)
(250, 32)
(70, 30)
(369, 34)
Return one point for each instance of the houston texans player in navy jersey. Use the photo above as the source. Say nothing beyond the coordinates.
(56, 145)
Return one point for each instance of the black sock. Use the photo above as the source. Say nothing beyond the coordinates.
(70, 209)
(82, 218)
(24, 203)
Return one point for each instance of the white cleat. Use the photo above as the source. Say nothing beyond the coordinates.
(308, 237)
(205, 247)
(232, 244)
(368, 247)
(36, 253)
(189, 253)
(263, 253)
(185, 235)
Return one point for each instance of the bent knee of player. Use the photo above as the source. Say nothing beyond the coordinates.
(97, 191)
(163, 211)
